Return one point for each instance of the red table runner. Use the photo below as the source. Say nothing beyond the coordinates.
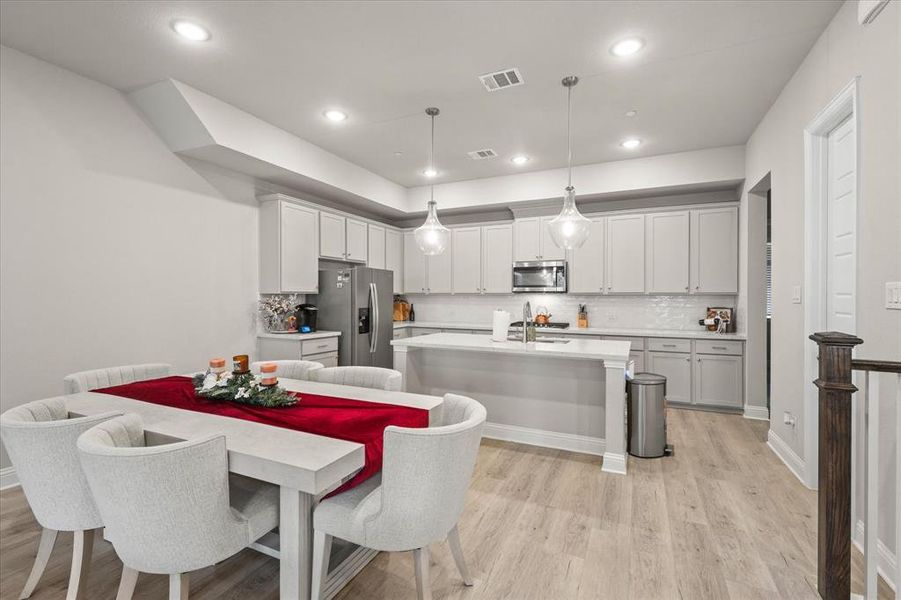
(352, 420)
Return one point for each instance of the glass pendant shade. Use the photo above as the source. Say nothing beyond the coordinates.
(570, 228)
(432, 237)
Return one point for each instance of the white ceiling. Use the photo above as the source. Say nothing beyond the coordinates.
(706, 77)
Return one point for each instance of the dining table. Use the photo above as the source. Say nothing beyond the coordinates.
(305, 466)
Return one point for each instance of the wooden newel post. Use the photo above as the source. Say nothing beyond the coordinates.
(834, 503)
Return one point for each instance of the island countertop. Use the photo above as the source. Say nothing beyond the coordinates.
(605, 350)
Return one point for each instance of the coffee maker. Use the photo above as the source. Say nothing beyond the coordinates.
(306, 318)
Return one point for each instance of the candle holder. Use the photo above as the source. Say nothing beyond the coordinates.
(241, 364)
(268, 377)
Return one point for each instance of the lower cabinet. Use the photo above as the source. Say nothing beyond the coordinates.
(676, 367)
(718, 380)
(321, 350)
(637, 357)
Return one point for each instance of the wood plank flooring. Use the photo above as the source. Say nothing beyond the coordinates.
(722, 519)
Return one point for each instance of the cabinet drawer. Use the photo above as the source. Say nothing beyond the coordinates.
(329, 359)
(637, 342)
(669, 345)
(319, 346)
(717, 347)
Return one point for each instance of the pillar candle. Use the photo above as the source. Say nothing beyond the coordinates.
(217, 365)
(267, 371)
(241, 362)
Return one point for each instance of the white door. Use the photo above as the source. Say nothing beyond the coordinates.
(376, 256)
(549, 250)
(586, 270)
(439, 273)
(357, 244)
(718, 380)
(394, 257)
(676, 367)
(331, 236)
(497, 259)
(299, 259)
(414, 265)
(625, 254)
(667, 252)
(525, 239)
(467, 260)
(714, 251)
(841, 228)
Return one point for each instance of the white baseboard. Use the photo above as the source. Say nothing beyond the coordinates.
(761, 413)
(546, 439)
(794, 462)
(8, 478)
(885, 564)
(614, 463)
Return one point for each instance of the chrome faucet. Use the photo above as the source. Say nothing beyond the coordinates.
(528, 328)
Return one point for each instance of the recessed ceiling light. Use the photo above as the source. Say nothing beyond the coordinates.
(430, 172)
(627, 46)
(520, 159)
(191, 31)
(631, 113)
(631, 143)
(335, 115)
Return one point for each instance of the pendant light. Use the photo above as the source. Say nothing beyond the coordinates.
(570, 228)
(432, 237)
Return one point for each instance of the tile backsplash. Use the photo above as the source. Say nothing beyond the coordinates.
(628, 312)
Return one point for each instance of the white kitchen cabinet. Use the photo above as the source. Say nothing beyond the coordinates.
(667, 250)
(714, 250)
(549, 250)
(414, 266)
(375, 257)
(718, 380)
(586, 269)
(289, 247)
(625, 254)
(467, 260)
(637, 357)
(439, 272)
(676, 367)
(497, 259)
(357, 246)
(331, 236)
(526, 239)
(394, 257)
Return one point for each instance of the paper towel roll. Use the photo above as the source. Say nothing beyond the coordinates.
(500, 323)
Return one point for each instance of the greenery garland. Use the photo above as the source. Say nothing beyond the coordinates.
(243, 388)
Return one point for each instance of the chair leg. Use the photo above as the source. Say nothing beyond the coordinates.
(453, 539)
(82, 549)
(322, 548)
(127, 583)
(178, 586)
(45, 547)
(421, 562)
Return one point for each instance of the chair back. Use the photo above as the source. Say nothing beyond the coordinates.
(290, 369)
(40, 438)
(166, 508)
(369, 377)
(425, 476)
(85, 381)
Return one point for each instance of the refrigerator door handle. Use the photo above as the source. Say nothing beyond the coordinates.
(374, 320)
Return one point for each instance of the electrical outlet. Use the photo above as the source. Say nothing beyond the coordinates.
(611, 316)
(893, 295)
(788, 418)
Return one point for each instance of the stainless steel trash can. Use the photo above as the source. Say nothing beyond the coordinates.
(647, 415)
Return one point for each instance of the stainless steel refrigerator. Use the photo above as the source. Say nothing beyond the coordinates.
(358, 302)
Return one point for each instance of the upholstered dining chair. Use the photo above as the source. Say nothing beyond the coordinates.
(290, 369)
(173, 508)
(369, 377)
(40, 438)
(85, 381)
(417, 499)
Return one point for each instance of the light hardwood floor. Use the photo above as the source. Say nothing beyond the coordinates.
(723, 518)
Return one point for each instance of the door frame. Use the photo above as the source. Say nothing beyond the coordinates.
(844, 105)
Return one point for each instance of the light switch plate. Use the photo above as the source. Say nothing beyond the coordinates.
(796, 294)
(893, 295)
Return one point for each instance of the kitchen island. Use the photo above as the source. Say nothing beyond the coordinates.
(567, 394)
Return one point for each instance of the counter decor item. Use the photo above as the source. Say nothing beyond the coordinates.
(244, 387)
(582, 318)
(241, 364)
(278, 312)
(719, 319)
(401, 309)
(542, 316)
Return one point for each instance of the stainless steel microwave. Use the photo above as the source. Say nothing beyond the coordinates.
(541, 276)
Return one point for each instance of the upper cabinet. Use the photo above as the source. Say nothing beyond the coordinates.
(714, 251)
(394, 257)
(666, 267)
(357, 241)
(376, 256)
(586, 268)
(414, 266)
(467, 260)
(549, 250)
(625, 254)
(289, 248)
(532, 241)
(497, 259)
(342, 238)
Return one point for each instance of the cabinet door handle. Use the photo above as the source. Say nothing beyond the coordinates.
(686, 288)
(669, 345)
(719, 347)
(688, 360)
(697, 287)
(322, 346)
(699, 360)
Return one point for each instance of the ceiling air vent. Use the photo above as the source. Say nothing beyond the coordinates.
(501, 79)
(482, 154)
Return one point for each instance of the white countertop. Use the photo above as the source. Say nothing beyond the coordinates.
(661, 333)
(573, 348)
(299, 336)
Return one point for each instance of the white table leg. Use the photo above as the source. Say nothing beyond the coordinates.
(295, 543)
(615, 410)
